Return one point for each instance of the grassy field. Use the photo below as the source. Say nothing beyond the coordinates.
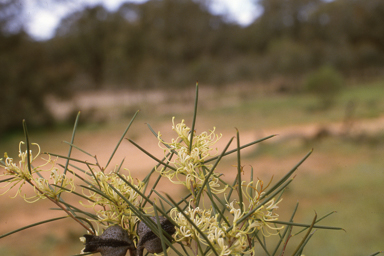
(343, 174)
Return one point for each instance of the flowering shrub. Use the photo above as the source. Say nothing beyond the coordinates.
(119, 214)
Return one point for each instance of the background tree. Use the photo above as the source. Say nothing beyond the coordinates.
(169, 44)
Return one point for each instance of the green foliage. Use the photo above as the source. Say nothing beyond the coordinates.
(289, 57)
(170, 43)
(325, 83)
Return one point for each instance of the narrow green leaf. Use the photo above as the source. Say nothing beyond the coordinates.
(69, 158)
(242, 147)
(376, 253)
(286, 177)
(72, 140)
(32, 225)
(305, 237)
(194, 117)
(263, 245)
(184, 199)
(216, 209)
(5, 180)
(303, 225)
(162, 206)
(201, 249)
(144, 197)
(98, 191)
(77, 168)
(160, 231)
(228, 197)
(146, 179)
(251, 180)
(121, 138)
(185, 251)
(211, 171)
(94, 176)
(28, 148)
(288, 227)
(76, 175)
(239, 170)
(300, 252)
(151, 156)
(288, 236)
(76, 147)
(153, 188)
(74, 211)
(153, 131)
(163, 198)
(156, 135)
(121, 164)
(316, 222)
(134, 188)
(73, 192)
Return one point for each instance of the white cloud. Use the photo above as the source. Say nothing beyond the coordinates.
(43, 20)
(42, 25)
(241, 11)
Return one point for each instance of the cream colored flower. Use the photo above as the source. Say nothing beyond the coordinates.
(186, 232)
(189, 161)
(264, 214)
(20, 174)
(20, 171)
(111, 207)
(233, 242)
(46, 188)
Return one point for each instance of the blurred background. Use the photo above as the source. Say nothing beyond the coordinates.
(311, 71)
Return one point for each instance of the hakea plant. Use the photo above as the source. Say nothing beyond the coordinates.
(120, 214)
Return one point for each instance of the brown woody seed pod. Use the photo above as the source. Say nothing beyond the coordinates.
(113, 242)
(149, 240)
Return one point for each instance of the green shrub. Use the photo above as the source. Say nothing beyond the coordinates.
(325, 83)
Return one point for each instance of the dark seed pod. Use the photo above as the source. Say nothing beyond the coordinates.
(149, 240)
(113, 242)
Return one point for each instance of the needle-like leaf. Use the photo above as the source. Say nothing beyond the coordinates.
(151, 156)
(69, 158)
(211, 171)
(121, 138)
(194, 117)
(32, 225)
(242, 147)
(239, 171)
(286, 177)
(305, 237)
(162, 239)
(287, 228)
(28, 149)
(76, 147)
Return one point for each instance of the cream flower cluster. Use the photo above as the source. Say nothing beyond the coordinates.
(110, 207)
(19, 174)
(232, 242)
(230, 236)
(189, 160)
(264, 214)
